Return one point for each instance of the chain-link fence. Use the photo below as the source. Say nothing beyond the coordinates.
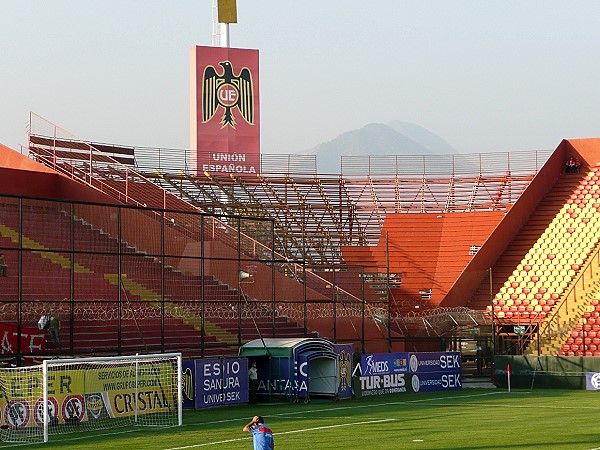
(124, 279)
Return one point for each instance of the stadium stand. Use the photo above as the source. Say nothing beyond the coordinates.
(46, 275)
(127, 186)
(390, 250)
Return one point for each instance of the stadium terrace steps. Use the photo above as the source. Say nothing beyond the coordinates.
(582, 309)
(557, 279)
(577, 335)
(545, 211)
(46, 276)
(124, 184)
(584, 339)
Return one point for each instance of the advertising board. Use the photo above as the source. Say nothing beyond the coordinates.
(77, 395)
(32, 339)
(393, 373)
(221, 382)
(592, 381)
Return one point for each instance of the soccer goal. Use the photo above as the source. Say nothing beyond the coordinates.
(83, 394)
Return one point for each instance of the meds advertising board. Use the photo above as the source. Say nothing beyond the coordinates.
(392, 373)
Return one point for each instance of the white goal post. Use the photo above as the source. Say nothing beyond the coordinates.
(84, 394)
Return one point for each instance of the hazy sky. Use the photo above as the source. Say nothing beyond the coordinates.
(484, 75)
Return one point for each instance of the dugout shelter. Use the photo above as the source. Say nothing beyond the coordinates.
(294, 367)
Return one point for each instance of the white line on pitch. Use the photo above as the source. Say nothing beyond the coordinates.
(291, 413)
(342, 408)
(325, 427)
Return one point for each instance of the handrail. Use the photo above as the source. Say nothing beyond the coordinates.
(50, 161)
(552, 322)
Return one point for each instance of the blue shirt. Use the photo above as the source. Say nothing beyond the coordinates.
(263, 437)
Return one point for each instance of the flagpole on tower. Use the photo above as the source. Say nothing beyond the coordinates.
(226, 13)
(216, 32)
(224, 35)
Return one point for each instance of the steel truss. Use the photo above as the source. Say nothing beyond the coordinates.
(316, 216)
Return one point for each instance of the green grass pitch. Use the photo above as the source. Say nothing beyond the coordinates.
(465, 419)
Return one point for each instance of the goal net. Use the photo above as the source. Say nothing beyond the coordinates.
(83, 394)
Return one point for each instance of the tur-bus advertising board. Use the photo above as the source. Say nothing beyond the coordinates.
(395, 373)
(221, 382)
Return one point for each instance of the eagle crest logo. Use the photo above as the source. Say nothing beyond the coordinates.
(345, 372)
(228, 91)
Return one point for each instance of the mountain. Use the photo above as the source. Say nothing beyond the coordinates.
(395, 138)
(423, 136)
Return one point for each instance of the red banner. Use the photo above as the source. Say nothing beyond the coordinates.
(225, 119)
(32, 339)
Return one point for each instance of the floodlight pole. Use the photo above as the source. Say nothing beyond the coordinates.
(494, 336)
(387, 282)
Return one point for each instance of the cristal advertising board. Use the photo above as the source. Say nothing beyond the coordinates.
(225, 111)
(221, 382)
(391, 373)
(109, 392)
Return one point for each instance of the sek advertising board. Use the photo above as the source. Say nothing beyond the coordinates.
(592, 381)
(221, 382)
(225, 120)
(78, 396)
(394, 373)
(435, 371)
